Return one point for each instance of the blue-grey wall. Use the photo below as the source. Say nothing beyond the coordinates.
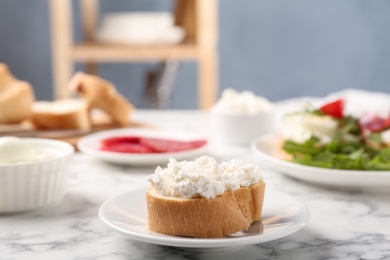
(276, 48)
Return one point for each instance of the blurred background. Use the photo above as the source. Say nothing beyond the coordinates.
(278, 49)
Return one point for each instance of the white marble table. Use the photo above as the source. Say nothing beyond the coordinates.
(343, 225)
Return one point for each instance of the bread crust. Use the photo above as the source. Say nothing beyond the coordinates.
(16, 98)
(6, 77)
(101, 94)
(228, 213)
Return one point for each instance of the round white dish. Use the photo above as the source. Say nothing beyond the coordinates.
(282, 215)
(32, 185)
(90, 145)
(240, 129)
(267, 148)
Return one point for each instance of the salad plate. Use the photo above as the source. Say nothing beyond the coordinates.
(91, 145)
(268, 149)
(282, 215)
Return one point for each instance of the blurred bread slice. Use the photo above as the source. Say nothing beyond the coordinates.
(16, 98)
(5, 77)
(61, 114)
(226, 214)
(102, 94)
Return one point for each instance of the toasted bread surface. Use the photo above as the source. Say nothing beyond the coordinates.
(226, 214)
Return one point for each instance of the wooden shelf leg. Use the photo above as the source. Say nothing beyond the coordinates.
(207, 79)
(89, 16)
(62, 38)
(206, 40)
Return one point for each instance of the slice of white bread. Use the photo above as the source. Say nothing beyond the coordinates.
(61, 114)
(231, 212)
(16, 98)
(102, 94)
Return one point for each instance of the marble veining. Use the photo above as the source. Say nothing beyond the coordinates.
(343, 225)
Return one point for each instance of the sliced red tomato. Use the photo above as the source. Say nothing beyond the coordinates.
(165, 145)
(335, 108)
(371, 123)
(386, 123)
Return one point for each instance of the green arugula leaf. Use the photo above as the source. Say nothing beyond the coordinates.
(311, 146)
(339, 155)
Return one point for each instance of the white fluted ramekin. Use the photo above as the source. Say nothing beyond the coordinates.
(32, 185)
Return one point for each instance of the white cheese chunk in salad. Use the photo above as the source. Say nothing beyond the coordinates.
(300, 127)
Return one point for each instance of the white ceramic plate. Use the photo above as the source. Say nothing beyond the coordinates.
(90, 145)
(282, 216)
(266, 147)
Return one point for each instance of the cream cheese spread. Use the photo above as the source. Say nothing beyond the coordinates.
(203, 177)
(233, 102)
(14, 150)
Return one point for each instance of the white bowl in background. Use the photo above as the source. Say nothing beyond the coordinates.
(135, 20)
(31, 185)
(140, 28)
(240, 129)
